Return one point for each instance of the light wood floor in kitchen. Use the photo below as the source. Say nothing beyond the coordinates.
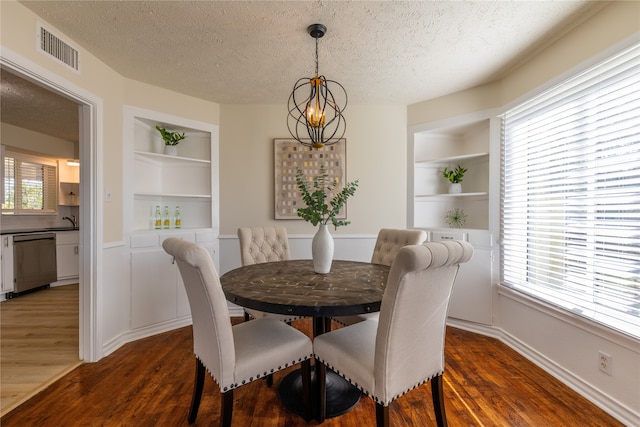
(38, 342)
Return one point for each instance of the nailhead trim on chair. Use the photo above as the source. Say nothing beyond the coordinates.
(366, 393)
(257, 376)
(286, 320)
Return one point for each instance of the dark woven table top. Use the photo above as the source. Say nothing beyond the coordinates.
(292, 287)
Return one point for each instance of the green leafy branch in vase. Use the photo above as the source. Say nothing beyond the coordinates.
(454, 175)
(314, 194)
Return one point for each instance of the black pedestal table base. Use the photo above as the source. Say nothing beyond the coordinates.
(341, 396)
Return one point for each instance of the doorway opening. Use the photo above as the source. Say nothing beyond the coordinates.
(88, 108)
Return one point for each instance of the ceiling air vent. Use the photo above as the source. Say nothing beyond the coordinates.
(53, 46)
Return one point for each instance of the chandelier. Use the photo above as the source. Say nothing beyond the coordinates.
(316, 104)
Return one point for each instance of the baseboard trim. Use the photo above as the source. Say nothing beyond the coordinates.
(613, 407)
(139, 333)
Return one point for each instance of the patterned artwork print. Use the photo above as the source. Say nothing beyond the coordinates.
(290, 155)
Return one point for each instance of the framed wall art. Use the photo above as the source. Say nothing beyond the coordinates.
(290, 155)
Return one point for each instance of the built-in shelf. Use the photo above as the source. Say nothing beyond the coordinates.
(188, 179)
(168, 160)
(453, 159)
(171, 196)
(456, 195)
(466, 145)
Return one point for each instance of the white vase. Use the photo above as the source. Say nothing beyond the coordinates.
(171, 150)
(322, 250)
(455, 188)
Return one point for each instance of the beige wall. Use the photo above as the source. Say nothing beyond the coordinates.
(616, 22)
(18, 34)
(25, 139)
(154, 98)
(376, 156)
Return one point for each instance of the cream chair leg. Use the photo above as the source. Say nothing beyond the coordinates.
(197, 391)
(437, 396)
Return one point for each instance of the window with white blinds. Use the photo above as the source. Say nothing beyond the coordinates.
(30, 185)
(570, 202)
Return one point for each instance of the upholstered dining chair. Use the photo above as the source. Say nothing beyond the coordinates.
(405, 347)
(264, 244)
(233, 355)
(388, 243)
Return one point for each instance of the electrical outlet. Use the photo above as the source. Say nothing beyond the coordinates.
(605, 363)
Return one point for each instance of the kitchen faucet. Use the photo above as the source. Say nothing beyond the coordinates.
(72, 219)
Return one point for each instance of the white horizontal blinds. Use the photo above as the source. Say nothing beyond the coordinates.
(30, 185)
(8, 183)
(570, 217)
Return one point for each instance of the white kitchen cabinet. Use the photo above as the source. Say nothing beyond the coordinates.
(68, 173)
(471, 299)
(154, 288)
(157, 291)
(7, 263)
(67, 254)
(68, 184)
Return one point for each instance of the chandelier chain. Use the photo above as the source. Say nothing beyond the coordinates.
(316, 55)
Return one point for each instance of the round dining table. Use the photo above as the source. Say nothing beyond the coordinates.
(293, 288)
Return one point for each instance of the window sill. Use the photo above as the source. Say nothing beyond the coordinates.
(560, 313)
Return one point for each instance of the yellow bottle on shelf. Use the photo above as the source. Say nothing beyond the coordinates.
(166, 220)
(177, 221)
(157, 222)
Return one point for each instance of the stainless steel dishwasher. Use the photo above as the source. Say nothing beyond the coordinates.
(34, 261)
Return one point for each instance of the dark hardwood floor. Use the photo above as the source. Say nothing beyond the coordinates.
(149, 383)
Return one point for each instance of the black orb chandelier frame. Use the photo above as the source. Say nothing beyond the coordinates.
(315, 119)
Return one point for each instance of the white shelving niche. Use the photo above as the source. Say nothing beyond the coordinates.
(189, 180)
(464, 141)
(184, 180)
(467, 146)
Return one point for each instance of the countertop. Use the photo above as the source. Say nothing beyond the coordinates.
(38, 230)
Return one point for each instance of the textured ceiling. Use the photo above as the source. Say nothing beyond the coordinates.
(30, 106)
(252, 52)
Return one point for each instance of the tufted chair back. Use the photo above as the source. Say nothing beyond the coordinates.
(390, 240)
(232, 355)
(405, 348)
(263, 244)
(411, 329)
(212, 336)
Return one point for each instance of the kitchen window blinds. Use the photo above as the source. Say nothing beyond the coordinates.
(570, 202)
(30, 185)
